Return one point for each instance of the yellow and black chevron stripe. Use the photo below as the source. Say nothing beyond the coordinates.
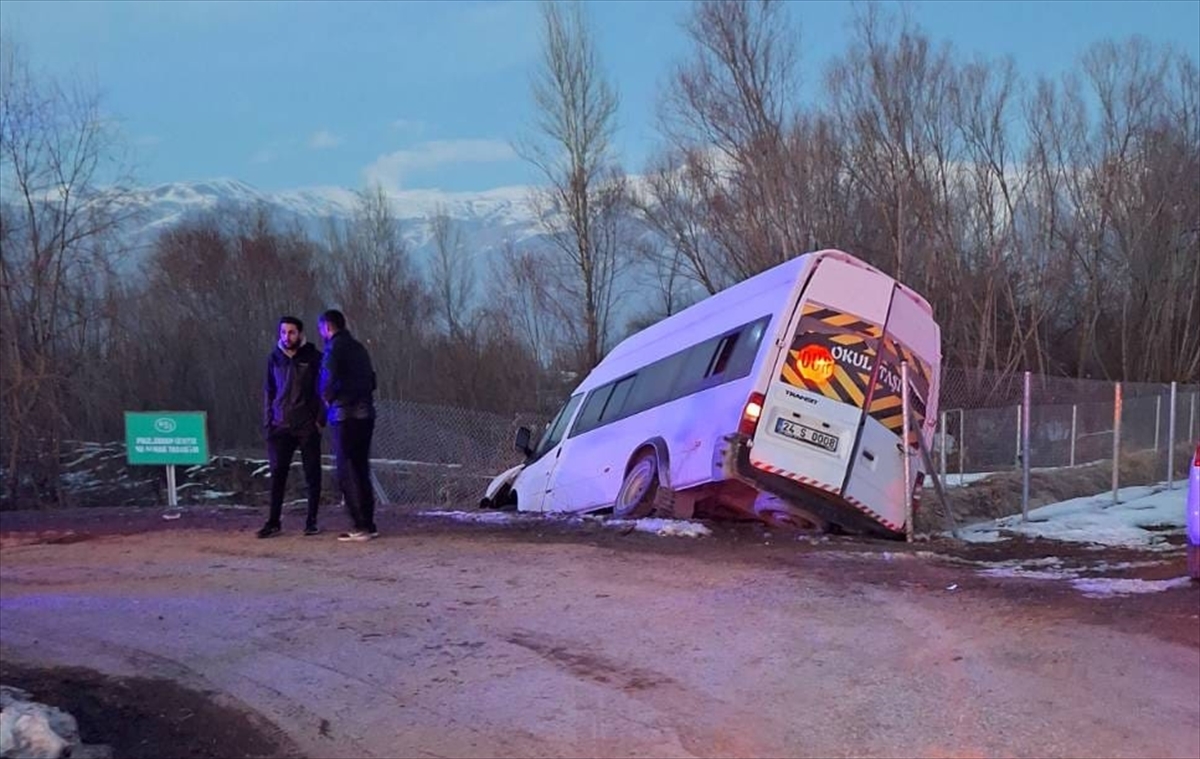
(820, 325)
(827, 317)
(886, 405)
(915, 363)
(888, 408)
(842, 386)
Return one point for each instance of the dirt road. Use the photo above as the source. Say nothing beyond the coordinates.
(446, 639)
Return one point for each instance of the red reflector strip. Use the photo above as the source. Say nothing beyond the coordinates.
(834, 491)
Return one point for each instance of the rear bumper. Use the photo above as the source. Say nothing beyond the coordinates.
(732, 461)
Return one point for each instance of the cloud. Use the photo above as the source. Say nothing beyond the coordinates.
(391, 169)
(411, 126)
(324, 139)
(266, 155)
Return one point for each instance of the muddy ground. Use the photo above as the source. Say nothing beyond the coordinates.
(546, 638)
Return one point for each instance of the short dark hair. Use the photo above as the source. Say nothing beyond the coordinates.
(293, 321)
(334, 317)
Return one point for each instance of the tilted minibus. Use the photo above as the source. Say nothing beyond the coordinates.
(778, 397)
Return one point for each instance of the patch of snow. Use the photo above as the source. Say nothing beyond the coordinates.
(1106, 587)
(1020, 573)
(956, 480)
(665, 527)
(79, 480)
(405, 462)
(1096, 519)
(84, 455)
(482, 517)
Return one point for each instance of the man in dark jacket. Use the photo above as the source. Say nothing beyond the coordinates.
(347, 387)
(292, 419)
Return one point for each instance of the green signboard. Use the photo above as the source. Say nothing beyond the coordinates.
(166, 437)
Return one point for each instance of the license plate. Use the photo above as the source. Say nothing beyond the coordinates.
(806, 434)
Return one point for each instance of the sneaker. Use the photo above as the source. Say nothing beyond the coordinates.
(269, 530)
(312, 529)
(355, 536)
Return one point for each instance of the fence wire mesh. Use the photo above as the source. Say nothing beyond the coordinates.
(1072, 421)
(441, 455)
(445, 456)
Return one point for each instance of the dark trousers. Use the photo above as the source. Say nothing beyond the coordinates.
(281, 446)
(351, 441)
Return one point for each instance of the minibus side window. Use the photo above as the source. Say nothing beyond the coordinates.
(616, 406)
(589, 417)
(720, 359)
(741, 361)
(714, 361)
(556, 428)
(696, 365)
(655, 384)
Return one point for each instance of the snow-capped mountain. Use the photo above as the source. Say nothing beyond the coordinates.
(485, 219)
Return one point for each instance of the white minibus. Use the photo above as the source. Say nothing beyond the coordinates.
(778, 398)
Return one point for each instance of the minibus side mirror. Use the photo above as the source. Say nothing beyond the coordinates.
(523, 435)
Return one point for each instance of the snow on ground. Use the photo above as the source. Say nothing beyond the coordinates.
(664, 527)
(1143, 517)
(954, 480)
(1140, 519)
(1091, 587)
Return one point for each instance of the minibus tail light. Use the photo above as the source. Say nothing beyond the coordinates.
(751, 414)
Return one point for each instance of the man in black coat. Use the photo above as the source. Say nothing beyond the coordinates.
(347, 387)
(292, 419)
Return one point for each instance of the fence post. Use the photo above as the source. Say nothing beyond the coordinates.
(1116, 435)
(1171, 440)
(1074, 419)
(962, 473)
(1192, 417)
(908, 499)
(1018, 448)
(1025, 404)
(943, 446)
(1157, 419)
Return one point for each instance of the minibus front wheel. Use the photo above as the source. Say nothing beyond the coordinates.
(638, 492)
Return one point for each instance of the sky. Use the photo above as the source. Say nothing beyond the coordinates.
(432, 95)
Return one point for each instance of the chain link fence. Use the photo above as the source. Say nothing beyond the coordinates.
(444, 455)
(1071, 421)
(441, 455)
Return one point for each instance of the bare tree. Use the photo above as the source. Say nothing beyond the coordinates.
(580, 208)
(891, 95)
(60, 241)
(1116, 189)
(669, 286)
(452, 274)
(216, 287)
(370, 276)
(1145, 178)
(730, 193)
(523, 311)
